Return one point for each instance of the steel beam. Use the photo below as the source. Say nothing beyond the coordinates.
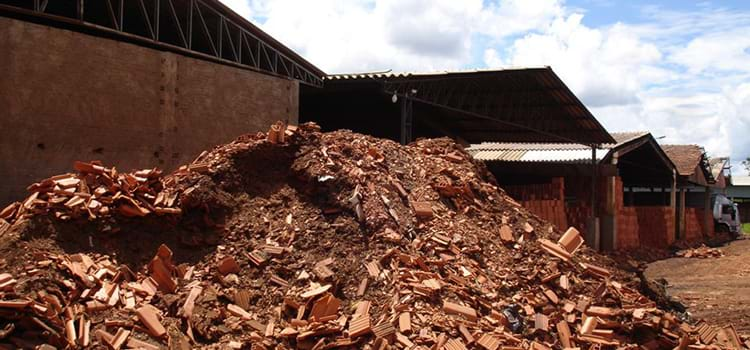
(154, 19)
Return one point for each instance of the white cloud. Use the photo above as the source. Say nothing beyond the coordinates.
(424, 35)
(492, 59)
(678, 74)
(632, 78)
(242, 7)
(603, 66)
(727, 50)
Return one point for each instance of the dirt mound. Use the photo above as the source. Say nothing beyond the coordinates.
(302, 239)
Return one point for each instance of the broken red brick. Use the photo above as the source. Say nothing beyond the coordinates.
(228, 265)
(148, 316)
(423, 210)
(571, 240)
(457, 309)
(506, 233)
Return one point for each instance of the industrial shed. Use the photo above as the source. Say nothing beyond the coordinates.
(694, 182)
(510, 105)
(634, 181)
(134, 83)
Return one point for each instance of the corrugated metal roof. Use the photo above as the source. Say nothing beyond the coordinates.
(740, 180)
(475, 105)
(548, 155)
(389, 74)
(546, 152)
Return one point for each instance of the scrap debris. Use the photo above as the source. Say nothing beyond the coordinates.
(701, 252)
(325, 240)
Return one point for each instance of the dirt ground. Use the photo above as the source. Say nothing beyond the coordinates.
(715, 289)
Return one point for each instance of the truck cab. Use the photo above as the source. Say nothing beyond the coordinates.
(726, 215)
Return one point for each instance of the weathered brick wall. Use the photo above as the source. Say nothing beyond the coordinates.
(67, 96)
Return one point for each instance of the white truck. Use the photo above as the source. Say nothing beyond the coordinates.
(726, 215)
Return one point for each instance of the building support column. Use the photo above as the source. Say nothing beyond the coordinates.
(609, 217)
(682, 218)
(593, 236)
(406, 120)
(707, 212)
(673, 204)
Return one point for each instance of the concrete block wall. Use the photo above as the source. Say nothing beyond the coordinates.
(69, 96)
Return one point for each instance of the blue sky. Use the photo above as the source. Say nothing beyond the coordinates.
(679, 69)
(605, 12)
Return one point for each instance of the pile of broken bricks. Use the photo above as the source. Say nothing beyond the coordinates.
(702, 252)
(571, 305)
(96, 303)
(95, 191)
(434, 257)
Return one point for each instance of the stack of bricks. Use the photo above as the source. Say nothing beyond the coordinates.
(627, 228)
(710, 231)
(693, 225)
(577, 214)
(545, 200)
(656, 226)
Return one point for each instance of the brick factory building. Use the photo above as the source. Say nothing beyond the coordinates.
(695, 181)
(634, 205)
(134, 83)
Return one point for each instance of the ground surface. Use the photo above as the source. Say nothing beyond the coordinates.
(717, 289)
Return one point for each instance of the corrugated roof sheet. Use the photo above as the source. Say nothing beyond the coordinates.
(623, 137)
(550, 155)
(474, 105)
(389, 74)
(546, 152)
(740, 180)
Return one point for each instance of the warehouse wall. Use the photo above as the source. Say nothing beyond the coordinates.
(67, 96)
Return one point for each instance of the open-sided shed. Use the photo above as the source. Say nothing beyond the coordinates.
(554, 180)
(694, 181)
(511, 105)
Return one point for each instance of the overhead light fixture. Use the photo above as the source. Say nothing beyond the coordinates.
(394, 98)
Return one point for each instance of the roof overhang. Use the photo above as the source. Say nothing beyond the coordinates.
(645, 140)
(510, 105)
(640, 160)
